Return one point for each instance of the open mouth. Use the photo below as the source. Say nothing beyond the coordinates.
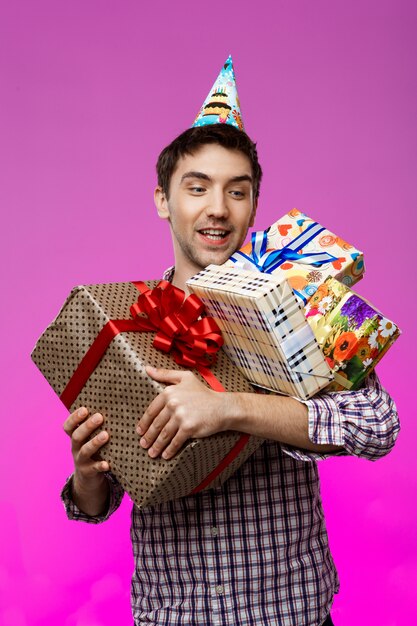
(214, 234)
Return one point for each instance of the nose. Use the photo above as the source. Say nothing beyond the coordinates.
(217, 205)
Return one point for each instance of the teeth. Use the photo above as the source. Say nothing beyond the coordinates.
(212, 233)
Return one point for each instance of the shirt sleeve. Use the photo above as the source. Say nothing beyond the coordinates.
(116, 493)
(365, 422)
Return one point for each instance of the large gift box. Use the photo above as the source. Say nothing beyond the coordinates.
(94, 354)
(265, 330)
(304, 252)
(353, 335)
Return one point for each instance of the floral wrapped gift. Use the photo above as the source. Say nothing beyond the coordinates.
(94, 354)
(353, 335)
(299, 249)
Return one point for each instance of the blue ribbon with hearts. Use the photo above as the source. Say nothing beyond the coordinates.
(261, 260)
(266, 262)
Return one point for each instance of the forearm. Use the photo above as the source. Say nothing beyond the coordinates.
(361, 423)
(91, 497)
(275, 417)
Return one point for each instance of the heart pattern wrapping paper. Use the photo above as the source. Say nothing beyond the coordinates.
(304, 252)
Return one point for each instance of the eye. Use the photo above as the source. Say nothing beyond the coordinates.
(197, 189)
(237, 194)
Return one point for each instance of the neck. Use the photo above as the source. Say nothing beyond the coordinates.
(184, 271)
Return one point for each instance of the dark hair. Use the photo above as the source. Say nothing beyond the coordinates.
(190, 141)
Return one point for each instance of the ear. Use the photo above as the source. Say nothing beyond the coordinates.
(252, 219)
(161, 203)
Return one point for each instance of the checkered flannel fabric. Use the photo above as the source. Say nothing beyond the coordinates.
(254, 551)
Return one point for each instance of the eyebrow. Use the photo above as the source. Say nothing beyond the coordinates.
(202, 176)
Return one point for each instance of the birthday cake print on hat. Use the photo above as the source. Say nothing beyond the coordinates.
(222, 105)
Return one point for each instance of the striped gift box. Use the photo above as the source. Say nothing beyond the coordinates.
(265, 330)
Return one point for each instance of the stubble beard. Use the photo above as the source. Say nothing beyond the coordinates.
(201, 258)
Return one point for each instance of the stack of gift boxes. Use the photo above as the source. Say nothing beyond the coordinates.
(289, 321)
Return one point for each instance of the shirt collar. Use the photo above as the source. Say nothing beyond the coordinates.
(169, 274)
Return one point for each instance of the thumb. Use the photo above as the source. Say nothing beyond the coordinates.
(165, 376)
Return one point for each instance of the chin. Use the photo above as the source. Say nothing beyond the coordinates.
(202, 258)
(216, 259)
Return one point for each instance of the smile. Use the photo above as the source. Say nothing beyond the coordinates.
(214, 234)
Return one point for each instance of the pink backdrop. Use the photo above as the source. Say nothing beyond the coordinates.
(89, 94)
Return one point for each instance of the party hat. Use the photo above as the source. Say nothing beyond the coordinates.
(222, 105)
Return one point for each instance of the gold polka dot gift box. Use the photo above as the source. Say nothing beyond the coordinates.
(303, 251)
(265, 330)
(352, 333)
(94, 354)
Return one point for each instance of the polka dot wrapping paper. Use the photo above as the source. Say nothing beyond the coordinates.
(120, 390)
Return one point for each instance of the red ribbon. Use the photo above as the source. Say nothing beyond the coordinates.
(163, 309)
(193, 343)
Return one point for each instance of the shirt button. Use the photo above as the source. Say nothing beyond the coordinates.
(214, 531)
(219, 589)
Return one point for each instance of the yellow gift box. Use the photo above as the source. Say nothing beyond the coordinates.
(352, 333)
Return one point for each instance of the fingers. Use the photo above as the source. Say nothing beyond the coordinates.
(74, 420)
(89, 449)
(171, 377)
(151, 412)
(169, 440)
(83, 432)
(160, 430)
(84, 450)
(166, 435)
(164, 426)
(91, 469)
(175, 445)
(80, 428)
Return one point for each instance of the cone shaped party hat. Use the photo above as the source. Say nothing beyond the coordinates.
(222, 105)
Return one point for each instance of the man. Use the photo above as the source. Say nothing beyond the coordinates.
(254, 551)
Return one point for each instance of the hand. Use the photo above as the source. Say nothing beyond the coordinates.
(78, 426)
(185, 409)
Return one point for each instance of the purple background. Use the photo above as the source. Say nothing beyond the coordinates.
(89, 94)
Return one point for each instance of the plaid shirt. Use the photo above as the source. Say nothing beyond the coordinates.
(255, 550)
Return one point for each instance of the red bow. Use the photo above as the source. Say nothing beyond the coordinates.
(192, 341)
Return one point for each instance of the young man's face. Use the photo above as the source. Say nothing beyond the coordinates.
(210, 206)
